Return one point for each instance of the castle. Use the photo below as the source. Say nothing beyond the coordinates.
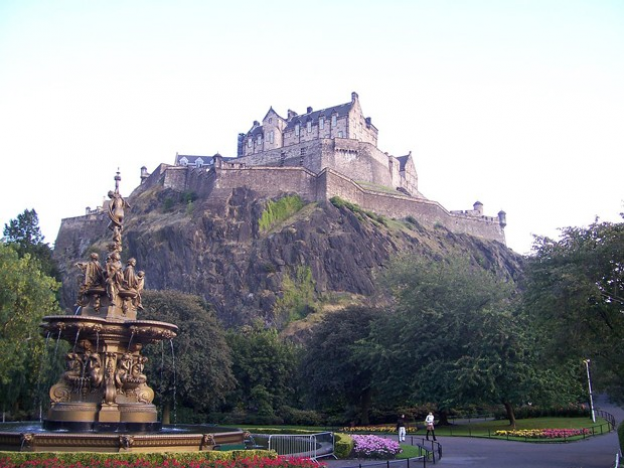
(319, 155)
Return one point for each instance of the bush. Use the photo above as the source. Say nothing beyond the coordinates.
(534, 411)
(343, 445)
(297, 417)
(621, 435)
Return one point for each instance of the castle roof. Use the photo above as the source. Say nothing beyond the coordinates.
(340, 110)
(194, 160)
(403, 160)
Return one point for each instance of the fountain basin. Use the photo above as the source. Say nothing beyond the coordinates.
(72, 327)
(31, 437)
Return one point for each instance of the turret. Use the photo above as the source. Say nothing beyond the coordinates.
(478, 208)
(502, 218)
(144, 174)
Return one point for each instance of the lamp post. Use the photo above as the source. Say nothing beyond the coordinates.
(591, 398)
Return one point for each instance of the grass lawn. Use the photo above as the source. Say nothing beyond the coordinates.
(410, 451)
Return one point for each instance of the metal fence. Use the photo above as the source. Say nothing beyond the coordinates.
(312, 446)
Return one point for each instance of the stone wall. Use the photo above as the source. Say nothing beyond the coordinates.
(268, 181)
(427, 212)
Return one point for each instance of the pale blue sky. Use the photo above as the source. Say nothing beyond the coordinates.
(517, 104)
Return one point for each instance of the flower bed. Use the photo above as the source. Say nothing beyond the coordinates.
(157, 462)
(377, 429)
(371, 446)
(543, 433)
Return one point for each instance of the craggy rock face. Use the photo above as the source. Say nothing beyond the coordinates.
(214, 247)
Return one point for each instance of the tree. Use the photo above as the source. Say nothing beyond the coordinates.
(575, 292)
(455, 338)
(335, 378)
(25, 236)
(26, 295)
(265, 368)
(202, 376)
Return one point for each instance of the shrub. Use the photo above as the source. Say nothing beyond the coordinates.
(343, 445)
(371, 446)
(621, 435)
(279, 210)
(297, 417)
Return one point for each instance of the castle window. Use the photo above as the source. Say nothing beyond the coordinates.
(321, 123)
(259, 139)
(309, 126)
(334, 121)
(339, 134)
(270, 119)
(249, 142)
(297, 128)
(271, 137)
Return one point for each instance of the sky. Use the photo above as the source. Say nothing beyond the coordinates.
(516, 104)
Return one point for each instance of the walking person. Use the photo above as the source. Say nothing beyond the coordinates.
(400, 427)
(429, 425)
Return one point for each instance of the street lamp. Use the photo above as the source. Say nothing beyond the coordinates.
(591, 398)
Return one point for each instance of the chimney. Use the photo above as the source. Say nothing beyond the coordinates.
(309, 111)
(291, 114)
(354, 96)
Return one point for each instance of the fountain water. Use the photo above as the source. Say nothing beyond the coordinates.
(102, 402)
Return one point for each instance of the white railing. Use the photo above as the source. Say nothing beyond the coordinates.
(312, 446)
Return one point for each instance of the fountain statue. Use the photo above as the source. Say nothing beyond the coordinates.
(102, 401)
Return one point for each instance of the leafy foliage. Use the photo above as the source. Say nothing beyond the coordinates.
(26, 295)
(575, 294)
(202, 376)
(24, 234)
(264, 367)
(335, 379)
(457, 337)
(279, 210)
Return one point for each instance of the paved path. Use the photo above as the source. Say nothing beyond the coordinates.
(461, 452)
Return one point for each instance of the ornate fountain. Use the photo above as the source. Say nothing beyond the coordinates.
(102, 401)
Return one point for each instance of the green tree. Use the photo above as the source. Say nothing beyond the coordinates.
(335, 379)
(264, 367)
(455, 338)
(575, 293)
(26, 295)
(202, 376)
(24, 234)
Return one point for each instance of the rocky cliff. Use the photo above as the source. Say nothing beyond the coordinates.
(214, 247)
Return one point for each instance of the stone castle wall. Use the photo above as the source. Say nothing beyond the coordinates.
(427, 212)
(217, 184)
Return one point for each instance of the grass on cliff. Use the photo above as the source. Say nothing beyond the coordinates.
(279, 210)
